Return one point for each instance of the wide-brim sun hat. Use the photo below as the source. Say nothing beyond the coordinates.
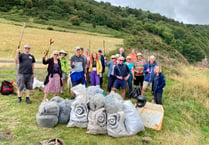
(62, 51)
(128, 57)
(139, 54)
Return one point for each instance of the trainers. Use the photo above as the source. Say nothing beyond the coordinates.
(19, 100)
(28, 101)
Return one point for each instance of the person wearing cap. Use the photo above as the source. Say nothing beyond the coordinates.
(122, 74)
(25, 73)
(53, 81)
(138, 73)
(64, 67)
(130, 67)
(95, 69)
(149, 68)
(133, 55)
(110, 74)
(101, 57)
(77, 64)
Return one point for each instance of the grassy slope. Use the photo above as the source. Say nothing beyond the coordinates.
(39, 39)
(186, 121)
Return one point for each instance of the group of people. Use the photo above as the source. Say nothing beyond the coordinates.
(89, 70)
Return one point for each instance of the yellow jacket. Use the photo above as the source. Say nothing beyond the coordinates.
(98, 67)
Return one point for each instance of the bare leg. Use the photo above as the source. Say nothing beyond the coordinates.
(143, 90)
(123, 94)
(114, 89)
(54, 94)
(27, 93)
(45, 96)
(19, 93)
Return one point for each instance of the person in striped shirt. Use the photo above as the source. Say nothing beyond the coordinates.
(138, 75)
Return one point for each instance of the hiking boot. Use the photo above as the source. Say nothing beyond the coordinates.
(19, 100)
(28, 101)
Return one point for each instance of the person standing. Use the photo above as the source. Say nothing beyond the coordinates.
(122, 53)
(95, 69)
(101, 57)
(77, 74)
(133, 55)
(122, 74)
(149, 74)
(110, 74)
(130, 67)
(64, 67)
(138, 73)
(25, 73)
(87, 67)
(158, 84)
(53, 81)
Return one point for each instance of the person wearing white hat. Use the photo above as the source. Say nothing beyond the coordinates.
(25, 73)
(65, 67)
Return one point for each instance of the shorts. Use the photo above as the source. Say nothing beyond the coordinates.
(146, 84)
(120, 83)
(139, 80)
(25, 80)
(64, 76)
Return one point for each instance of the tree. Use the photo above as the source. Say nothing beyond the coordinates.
(75, 20)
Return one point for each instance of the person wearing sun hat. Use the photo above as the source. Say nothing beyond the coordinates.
(64, 66)
(53, 81)
(25, 73)
(138, 73)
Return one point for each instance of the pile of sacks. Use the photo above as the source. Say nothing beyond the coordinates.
(92, 110)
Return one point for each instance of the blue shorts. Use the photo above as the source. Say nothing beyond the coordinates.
(120, 83)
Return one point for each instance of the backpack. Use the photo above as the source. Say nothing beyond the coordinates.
(134, 93)
(7, 87)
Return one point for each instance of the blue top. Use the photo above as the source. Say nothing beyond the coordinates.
(110, 68)
(148, 77)
(130, 66)
(158, 83)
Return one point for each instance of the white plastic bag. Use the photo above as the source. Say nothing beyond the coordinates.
(47, 121)
(133, 121)
(49, 108)
(65, 108)
(79, 90)
(113, 103)
(115, 125)
(97, 122)
(96, 102)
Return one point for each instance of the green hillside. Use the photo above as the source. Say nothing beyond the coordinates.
(141, 29)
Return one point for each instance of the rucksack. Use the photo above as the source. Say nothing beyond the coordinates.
(7, 87)
(134, 93)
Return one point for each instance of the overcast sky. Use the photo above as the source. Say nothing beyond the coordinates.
(187, 11)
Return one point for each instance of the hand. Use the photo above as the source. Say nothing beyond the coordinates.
(134, 77)
(85, 75)
(73, 63)
(120, 77)
(126, 78)
(18, 50)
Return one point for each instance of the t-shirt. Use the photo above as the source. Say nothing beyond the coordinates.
(26, 61)
(133, 57)
(79, 65)
(139, 67)
(130, 66)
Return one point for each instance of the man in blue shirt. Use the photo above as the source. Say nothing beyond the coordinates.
(122, 74)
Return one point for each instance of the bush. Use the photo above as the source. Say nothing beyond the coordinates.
(49, 28)
(75, 20)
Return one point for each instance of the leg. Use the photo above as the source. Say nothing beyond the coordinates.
(130, 83)
(92, 78)
(45, 96)
(20, 83)
(97, 79)
(101, 81)
(123, 93)
(159, 98)
(145, 85)
(54, 94)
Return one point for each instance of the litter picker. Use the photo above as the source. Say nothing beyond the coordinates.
(21, 36)
(50, 43)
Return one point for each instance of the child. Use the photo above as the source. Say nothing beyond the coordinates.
(158, 84)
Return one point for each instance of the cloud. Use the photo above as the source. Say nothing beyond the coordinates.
(188, 11)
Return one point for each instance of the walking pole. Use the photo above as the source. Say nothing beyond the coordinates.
(50, 43)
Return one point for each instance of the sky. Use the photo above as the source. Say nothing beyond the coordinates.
(186, 11)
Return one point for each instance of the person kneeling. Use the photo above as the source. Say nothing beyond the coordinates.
(122, 74)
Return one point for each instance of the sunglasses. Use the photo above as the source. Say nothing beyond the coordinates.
(27, 48)
(55, 54)
(121, 60)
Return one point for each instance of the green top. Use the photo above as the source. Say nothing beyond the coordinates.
(64, 65)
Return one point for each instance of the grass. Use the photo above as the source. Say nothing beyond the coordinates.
(39, 39)
(185, 121)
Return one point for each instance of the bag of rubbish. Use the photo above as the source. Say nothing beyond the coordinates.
(78, 114)
(79, 89)
(48, 121)
(133, 121)
(49, 108)
(93, 90)
(113, 103)
(96, 102)
(97, 122)
(37, 83)
(65, 108)
(115, 124)
(57, 99)
(82, 98)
